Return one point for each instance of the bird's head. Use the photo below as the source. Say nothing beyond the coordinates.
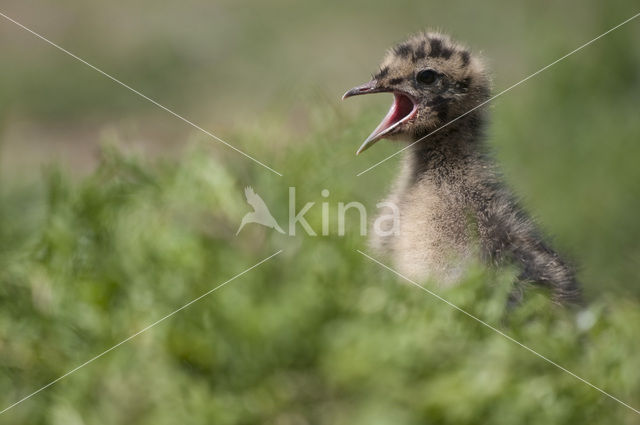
(433, 80)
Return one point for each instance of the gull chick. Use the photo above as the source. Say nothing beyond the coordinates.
(454, 207)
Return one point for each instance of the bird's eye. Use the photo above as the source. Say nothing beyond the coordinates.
(427, 76)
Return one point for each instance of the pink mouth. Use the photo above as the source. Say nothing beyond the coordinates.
(402, 109)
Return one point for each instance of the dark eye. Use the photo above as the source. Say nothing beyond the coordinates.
(427, 76)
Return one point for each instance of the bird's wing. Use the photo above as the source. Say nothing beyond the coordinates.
(255, 200)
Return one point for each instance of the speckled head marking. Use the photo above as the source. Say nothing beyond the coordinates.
(433, 80)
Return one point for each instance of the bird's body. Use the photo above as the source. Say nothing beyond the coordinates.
(454, 207)
(434, 237)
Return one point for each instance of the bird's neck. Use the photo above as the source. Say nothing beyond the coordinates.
(450, 154)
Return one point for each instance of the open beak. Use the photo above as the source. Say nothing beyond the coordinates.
(402, 109)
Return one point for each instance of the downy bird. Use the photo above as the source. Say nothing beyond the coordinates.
(454, 207)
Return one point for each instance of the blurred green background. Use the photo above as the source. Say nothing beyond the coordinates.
(113, 213)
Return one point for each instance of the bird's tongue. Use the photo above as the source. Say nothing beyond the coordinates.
(401, 107)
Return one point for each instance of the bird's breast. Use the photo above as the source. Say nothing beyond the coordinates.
(434, 239)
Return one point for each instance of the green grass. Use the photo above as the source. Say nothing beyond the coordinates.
(319, 334)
